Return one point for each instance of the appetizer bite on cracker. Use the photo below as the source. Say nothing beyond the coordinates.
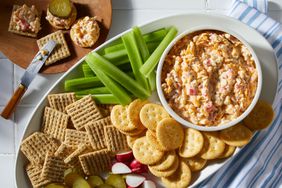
(61, 14)
(85, 32)
(25, 20)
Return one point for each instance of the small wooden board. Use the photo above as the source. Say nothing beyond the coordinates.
(21, 49)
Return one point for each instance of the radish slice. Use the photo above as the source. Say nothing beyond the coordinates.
(125, 157)
(138, 167)
(134, 180)
(149, 184)
(135, 164)
(120, 168)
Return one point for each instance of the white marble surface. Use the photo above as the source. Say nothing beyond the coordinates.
(126, 13)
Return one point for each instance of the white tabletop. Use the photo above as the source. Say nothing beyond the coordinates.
(126, 13)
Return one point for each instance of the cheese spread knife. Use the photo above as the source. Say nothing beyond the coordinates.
(29, 74)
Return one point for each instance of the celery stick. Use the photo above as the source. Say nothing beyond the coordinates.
(154, 36)
(113, 56)
(145, 54)
(115, 73)
(124, 67)
(82, 83)
(97, 90)
(152, 46)
(117, 90)
(135, 58)
(119, 56)
(87, 71)
(102, 98)
(121, 61)
(153, 60)
(114, 48)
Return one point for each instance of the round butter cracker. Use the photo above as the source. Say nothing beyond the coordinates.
(133, 112)
(169, 134)
(151, 114)
(153, 140)
(237, 135)
(165, 173)
(260, 117)
(213, 146)
(144, 152)
(120, 120)
(167, 161)
(192, 144)
(180, 179)
(195, 163)
(228, 151)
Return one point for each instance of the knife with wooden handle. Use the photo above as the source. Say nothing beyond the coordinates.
(30, 73)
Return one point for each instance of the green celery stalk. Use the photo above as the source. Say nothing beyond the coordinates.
(120, 57)
(114, 48)
(102, 98)
(87, 71)
(97, 90)
(153, 60)
(145, 54)
(135, 58)
(152, 46)
(156, 35)
(119, 47)
(113, 56)
(115, 73)
(82, 83)
(124, 67)
(118, 91)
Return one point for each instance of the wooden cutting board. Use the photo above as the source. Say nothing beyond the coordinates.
(21, 49)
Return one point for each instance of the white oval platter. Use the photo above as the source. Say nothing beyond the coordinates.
(182, 22)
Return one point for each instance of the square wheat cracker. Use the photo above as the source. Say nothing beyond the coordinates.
(12, 28)
(61, 51)
(55, 123)
(33, 173)
(95, 131)
(64, 150)
(74, 137)
(95, 162)
(36, 146)
(53, 169)
(115, 140)
(61, 100)
(83, 111)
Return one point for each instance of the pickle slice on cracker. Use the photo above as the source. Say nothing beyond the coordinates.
(60, 8)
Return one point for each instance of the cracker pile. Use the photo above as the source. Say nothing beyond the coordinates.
(171, 151)
(74, 134)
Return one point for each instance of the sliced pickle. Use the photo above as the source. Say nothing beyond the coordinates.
(60, 8)
(71, 177)
(80, 183)
(95, 181)
(54, 185)
(116, 181)
(104, 186)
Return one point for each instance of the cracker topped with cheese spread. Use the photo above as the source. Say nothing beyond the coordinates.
(85, 32)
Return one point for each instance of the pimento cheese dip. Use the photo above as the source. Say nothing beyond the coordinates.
(209, 78)
(26, 19)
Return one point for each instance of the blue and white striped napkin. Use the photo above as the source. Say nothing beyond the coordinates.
(259, 164)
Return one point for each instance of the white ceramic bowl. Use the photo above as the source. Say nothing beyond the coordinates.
(188, 123)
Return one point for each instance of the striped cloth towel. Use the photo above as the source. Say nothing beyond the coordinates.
(259, 164)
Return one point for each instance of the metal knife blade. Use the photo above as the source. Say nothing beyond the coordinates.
(37, 62)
